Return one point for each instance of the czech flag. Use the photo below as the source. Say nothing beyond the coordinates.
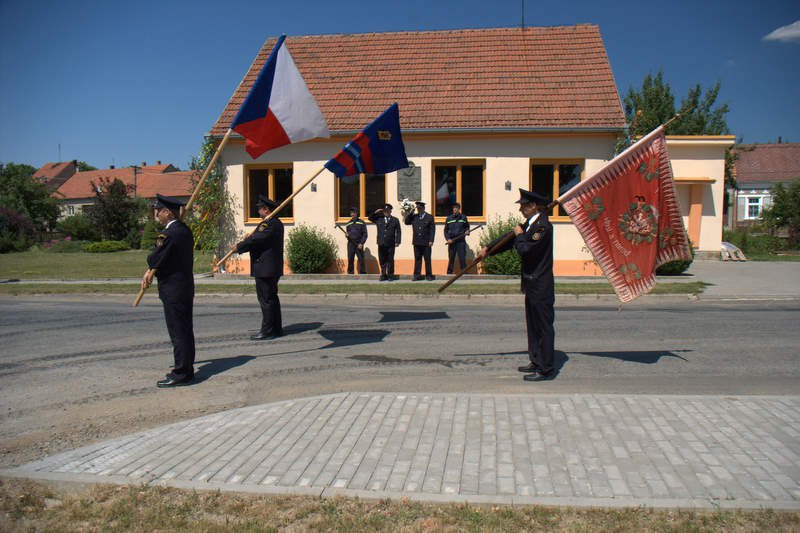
(280, 109)
(377, 149)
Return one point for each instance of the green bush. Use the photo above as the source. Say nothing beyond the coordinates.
(16, 230)
(673, 268)
(66, 246)
(310, 250)
(79, 227)
(751, 242)
(150, 234)
(507, 263)
(106, 247)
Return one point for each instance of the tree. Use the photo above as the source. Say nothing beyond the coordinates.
(26, 196)
(785, 211)
(115, 213)
(83, 166)
(654, 104)
(211, 217)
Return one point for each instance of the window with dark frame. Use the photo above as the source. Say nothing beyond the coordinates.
(274, 183)
(554, 178)
(366, 192)
(461, 182)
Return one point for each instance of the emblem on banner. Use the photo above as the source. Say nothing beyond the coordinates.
(385, 135)
(638, 223)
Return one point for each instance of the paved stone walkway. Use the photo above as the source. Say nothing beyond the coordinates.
(570, 449)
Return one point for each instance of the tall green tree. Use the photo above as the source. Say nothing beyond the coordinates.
(83, 166)
(654, 104)
(22, 194)
(785, 211)
(116, 214)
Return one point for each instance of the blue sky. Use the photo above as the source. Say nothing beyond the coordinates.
(125, 82)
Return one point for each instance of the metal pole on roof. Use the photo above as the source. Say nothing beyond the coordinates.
(523, 14)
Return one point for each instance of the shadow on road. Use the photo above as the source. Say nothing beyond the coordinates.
(645, 357)
(212, 367)
(406, 316)
(351, 337)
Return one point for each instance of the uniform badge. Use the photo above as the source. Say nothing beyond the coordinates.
(160, 239)
(537, 235)
(262, 226)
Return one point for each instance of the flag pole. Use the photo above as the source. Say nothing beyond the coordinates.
(206, 172)
(273, 213)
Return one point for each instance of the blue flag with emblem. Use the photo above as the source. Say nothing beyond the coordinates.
(377, 149)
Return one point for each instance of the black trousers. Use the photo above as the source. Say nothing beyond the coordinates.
(352, 250)
(178, 315)
(267, 292)
(539, 318)
(386, 259)
(458, 248)
(422, 252)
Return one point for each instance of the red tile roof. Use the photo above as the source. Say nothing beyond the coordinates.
(767, 163)
(505, 78)
(54, 174)
(149, 181)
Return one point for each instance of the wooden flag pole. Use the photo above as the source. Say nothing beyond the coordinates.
(151, 271)
(274, 212)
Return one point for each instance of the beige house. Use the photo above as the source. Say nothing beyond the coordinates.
(483, 112)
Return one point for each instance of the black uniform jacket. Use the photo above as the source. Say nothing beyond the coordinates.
(172, 259)
(266, 249)
(388, 234)
(356, 231)
(456, 226)
(535, 248)
(424, 230)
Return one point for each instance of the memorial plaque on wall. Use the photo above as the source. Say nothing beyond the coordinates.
(409, 183)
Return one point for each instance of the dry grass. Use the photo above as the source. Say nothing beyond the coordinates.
(30, 506)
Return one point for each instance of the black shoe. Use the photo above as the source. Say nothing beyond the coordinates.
(262, 336)
(530, 367)
(383, 278)
(538, 376)
(174, 382)
(430, 278)
(417, 278)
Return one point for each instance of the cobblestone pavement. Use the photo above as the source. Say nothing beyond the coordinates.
(562, 449)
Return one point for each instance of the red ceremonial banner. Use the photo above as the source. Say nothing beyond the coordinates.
(629, 217)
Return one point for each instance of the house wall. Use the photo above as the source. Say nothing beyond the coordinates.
(509, 160)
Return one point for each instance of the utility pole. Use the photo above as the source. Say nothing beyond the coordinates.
(135, 169)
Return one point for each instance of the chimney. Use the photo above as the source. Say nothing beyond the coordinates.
(111, 167)
(144, 163)
(158, 162)
(780, 140)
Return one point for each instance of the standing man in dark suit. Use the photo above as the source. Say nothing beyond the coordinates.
(533, 242)
(456, 228)
(266, 265)
(356, 230)
(172, 262)
(424, 231)
(388, 239)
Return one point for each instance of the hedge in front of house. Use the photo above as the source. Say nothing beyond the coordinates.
(106, 247)
(309, 250)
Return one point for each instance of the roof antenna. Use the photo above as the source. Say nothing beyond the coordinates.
(523, 14)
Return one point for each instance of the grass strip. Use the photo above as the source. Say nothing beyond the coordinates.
(30, 506)
(21, 289)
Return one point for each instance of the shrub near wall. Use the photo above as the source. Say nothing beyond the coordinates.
(507, 263)
(309, 250)
(106, 247)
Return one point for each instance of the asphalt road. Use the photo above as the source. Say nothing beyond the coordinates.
(74, 370)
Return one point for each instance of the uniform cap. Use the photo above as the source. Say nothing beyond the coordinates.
(420, 203)
(532, 197)
(263, 201)
(167, 202)
(388, 206)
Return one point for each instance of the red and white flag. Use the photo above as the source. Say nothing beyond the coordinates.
(629, 217)
(279, 109)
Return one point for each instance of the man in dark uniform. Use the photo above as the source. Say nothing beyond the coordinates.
(356, 237)
(388, 239)
(424, 231)
(533, 242)
(172, 262)
(266, 265)
(456, 228)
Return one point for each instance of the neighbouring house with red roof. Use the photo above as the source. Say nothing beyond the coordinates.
(145, 181)
(757, 169)
(55, 174)
(483, 113)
